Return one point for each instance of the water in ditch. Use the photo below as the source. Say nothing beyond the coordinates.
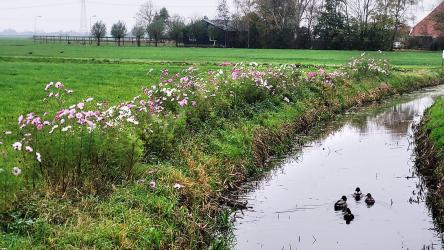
(292, 208)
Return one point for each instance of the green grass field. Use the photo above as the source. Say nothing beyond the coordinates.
(23, 48)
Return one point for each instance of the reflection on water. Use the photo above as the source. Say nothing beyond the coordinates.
(293, 207)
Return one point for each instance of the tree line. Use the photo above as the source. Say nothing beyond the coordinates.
(320, 24)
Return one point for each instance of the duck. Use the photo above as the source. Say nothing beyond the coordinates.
(341, 204)
(348, 216)
(358, 194)
(369, 200)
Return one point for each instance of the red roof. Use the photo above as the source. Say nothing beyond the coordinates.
(428, 26)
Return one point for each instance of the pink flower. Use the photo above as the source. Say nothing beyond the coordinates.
(152, 184)
(183, 103)
(184, 79)
(142, 102)
(29, 149)
(20, 119)
(90, 124)
(312, 74)
(235, 74)
(81, 105)
(79, 115)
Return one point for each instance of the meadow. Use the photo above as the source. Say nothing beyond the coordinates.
(23, 49)
(123, 166)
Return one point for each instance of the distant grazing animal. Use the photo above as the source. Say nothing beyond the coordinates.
(369, 200)
(348, 216)
(341, 204)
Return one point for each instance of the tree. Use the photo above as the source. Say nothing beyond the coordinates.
(98, 30)
(331, 26)
(163, 13)
(118, 31)
(246, 8)
(398, 13)
(146, 14)
(223, 13)
(176, 27)
(138, 31)
(156, 29)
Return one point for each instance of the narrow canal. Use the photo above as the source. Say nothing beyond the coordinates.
(292, 208)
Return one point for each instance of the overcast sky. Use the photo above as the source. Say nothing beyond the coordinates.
(64, 15)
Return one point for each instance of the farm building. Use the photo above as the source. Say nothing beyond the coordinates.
(216, 33)
(429, 32)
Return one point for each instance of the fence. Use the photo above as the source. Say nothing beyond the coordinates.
(89, 40)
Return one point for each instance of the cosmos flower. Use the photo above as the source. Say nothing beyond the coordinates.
(16, 171)
(29, 149)
(178, 186)
(17, 146)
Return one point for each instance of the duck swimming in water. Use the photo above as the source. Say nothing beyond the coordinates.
(358, 194)
(369, 200)
(341, 204)
(348, 216)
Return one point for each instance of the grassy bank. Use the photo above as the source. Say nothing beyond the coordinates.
(27, 49)
(430, 157)
(160, 177)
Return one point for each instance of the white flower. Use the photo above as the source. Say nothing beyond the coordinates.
(66, 128)
(29, 149)
(16, 171)
(8, 133)
(178, 186)
(17, 146)
(38, 157)
(1, 143)
(152, 184)
(286, 99)
(2, 170)
(89, 99)
(52, 129)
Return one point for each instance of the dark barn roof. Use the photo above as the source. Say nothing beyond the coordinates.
(221, 24)
(429, 26)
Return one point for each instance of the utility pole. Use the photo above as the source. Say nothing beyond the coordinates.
(83, 25)
(35, 24)
(90, 23)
